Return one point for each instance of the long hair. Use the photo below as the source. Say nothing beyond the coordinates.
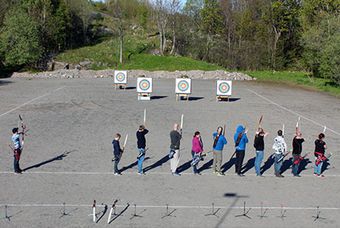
(219, 132)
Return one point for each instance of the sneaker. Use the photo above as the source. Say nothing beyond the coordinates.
(176, 174)
(142, 173)
(214, 172)
(297, 175)
(17, 172)
(197, 173)
(117, 174)
(259, 175)
(220, 174)
(240, 175)
(321, 175)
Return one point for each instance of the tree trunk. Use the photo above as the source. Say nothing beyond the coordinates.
(276, 39)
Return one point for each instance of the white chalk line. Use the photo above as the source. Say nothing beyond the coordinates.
(30, 101)
(169, 206)
(151, 173)
(293, 112)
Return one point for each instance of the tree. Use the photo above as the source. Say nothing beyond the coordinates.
(161, 16)
(212, 22)
(19, 39)
(174, 8)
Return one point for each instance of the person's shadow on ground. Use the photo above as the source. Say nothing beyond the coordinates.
(131, 165)
(207, 165)
(184, 166)
(249, 165)
(157, 164)
(286, 165)
(270, 161)
(325, 166)
(303, 165)
(226, 166)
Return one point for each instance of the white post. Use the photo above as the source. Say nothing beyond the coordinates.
(126, 138)
(144, 116)
(109, 219)
(182, 120)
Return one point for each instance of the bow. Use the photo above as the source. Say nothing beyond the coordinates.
(23, 130)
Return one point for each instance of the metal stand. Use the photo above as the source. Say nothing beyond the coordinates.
(245, 212)
(64, 211)
(263, 212)
(134, 215)
(169, 214)
(213, 212)
(283, 213)
(317, 217)
(6, 214)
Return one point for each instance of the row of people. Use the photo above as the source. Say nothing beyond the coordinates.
(219, 141)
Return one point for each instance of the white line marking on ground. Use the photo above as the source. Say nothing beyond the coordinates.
(147, 173)
(169, 206)
(30, 101)
(293, 112)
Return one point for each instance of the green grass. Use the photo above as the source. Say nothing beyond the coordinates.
(167, 63)
(296, 78)
(105, 55)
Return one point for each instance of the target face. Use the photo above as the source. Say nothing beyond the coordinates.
(224, 88)
(144, 85)
(120, 77)
(183, 86)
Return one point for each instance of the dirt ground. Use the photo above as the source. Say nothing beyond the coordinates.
(68, 151)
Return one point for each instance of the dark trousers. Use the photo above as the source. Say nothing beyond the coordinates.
(115, 164)
(239, 161)
(17, 154)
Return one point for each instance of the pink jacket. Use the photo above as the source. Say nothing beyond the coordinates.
(197, 146)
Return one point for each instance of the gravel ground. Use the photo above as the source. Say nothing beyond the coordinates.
(80, 116)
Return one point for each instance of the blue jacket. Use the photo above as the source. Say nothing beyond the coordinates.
(244, 139)
(220, 143)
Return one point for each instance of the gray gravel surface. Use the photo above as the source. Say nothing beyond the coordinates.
(80, 116)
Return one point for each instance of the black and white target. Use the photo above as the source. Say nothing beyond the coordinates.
(183, 86)
(144, 85)
(120, 77)
(224, 88)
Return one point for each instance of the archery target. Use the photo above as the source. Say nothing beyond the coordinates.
(183, 85)
(144, 85)
(120, 77)
(224, 88)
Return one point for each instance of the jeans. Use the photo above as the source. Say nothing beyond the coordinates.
(217, 162)
(318, 168)
(194, 167)
(115, 164)
(239, 161)
(140, 159)
(277, 164)
(295, 167)
(258, 161)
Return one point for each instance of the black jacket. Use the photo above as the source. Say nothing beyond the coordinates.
(141, 141)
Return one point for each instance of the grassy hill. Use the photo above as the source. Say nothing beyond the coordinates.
(105, 55)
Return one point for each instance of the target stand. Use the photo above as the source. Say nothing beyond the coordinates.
(144, 88)
(183, 88)
(223, 90)
(120, 79)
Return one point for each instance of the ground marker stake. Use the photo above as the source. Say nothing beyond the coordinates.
(245, 212)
